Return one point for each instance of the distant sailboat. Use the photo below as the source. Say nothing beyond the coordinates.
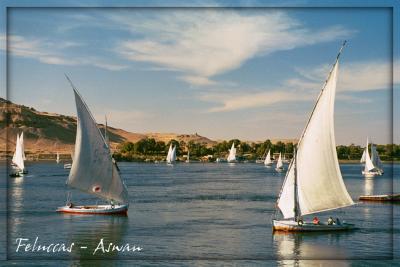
(188, 157)
(313, 182)
(58, 158)
(18, 165)
(232, 154)
(268, 161)
(279, 163)
(171, 156)
(94, 171)
(69, 165)
(372, 166)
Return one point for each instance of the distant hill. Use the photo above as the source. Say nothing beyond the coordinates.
(50, 132)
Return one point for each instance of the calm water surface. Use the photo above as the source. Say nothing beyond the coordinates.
(201, 212)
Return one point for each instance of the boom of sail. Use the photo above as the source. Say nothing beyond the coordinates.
(313, 182)
(93, 170)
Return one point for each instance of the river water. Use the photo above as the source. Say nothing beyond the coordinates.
(193, 214)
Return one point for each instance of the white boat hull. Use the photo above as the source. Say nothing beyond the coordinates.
(279, 169)
(293, 226)
(67, 166)
(95, 209)
(371, 173)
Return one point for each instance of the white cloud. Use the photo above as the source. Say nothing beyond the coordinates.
(353, 77)
(205, 43)
(51, 53)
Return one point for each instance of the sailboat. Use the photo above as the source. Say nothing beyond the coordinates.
(279, 163)
(232, 154)
(171, 156)
(372, 166)
(313, 181)
(94, 171)
(268, 161)
(58, 158)
(17, 164)
(188, 157)
(69, 165)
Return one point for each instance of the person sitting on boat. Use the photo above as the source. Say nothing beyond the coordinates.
(330, 221)
(338, 221)
(315, 220)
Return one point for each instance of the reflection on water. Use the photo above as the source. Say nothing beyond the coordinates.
(291, 248)
(368, 186)
(87, 231)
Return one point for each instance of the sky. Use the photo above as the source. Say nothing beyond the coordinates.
(246, 73)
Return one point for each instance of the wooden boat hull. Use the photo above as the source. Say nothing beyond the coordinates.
(95, 209)
(381, 198)
(292, 226)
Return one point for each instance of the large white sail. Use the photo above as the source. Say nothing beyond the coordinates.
(362, 160)
(320, 185)
(18, 158)
(93, 170)
(232, 153)
(267, 160)
(279, 163)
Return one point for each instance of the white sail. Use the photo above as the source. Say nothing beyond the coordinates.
(279, 163)
(173, 154)
(93, 170)
(369, 166)
(15, 151)
(188, 156)
(18, 158)
(232, 153)
(375, 158)
(362, 160)
(58, 158)
(169, 155)
(320, 185)
(21, 140)
(267, 160)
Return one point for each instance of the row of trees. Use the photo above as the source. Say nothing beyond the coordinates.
(149, 147)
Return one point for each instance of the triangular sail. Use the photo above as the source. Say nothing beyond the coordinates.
(320, 185)
(169, 155)
(375, 158)
(21, 140)
(369, 166)
(173, 154)
(93, 170)
(279, 163)
(232, 153)
(267, 160)
(362, 160)
(18, 158)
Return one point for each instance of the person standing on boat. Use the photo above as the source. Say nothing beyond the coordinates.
(330, 221)
(315, 220)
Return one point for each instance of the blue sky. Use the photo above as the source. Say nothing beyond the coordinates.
(248, 73)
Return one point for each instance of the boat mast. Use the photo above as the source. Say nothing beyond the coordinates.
(296, 210)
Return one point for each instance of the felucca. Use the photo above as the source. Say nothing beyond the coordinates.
(171, 156)
(313, 181)
(58, 158)
(279, 164)
(232, 154)
(94, 171)
(373, 165)
(18, 160)
(268, 161)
